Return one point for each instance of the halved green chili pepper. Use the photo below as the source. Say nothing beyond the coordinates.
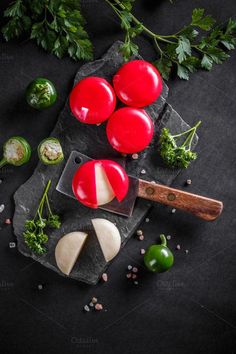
(159, 258)
(16, 152)
(41, 93)
(50, 151)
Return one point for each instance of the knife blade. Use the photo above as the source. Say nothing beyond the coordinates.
(203, 207)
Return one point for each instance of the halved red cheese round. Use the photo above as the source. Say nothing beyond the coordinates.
(130, 130)
(137, 83)
(92, 100)
(98, 182)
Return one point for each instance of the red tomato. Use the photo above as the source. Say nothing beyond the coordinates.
(92, 100)
(137, 83)
(130, 130)
(84, 184)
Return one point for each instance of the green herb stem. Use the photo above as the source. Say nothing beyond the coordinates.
(41, 204)
(196, 126)
(48, 205)
(34, 234)
(139, 23)
(190, 137)
(188, 131)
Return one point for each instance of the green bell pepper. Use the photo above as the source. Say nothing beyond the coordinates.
(41, 93)
(16, 152)
(159, 258)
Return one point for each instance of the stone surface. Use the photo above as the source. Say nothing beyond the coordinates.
(91, 140)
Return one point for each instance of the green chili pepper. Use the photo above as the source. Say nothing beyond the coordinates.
(159, 258)
(16, 152)
(50, 151)
(41, 93)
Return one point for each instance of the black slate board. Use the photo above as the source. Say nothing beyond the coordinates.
(92, 141)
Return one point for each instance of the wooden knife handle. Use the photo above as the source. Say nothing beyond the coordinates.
(205, 208)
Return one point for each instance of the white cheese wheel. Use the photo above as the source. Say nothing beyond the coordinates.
(104, 190)
(68, 249)
(108, 237)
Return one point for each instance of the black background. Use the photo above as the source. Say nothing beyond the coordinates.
(190, 309)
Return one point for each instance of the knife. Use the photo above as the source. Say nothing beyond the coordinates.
(202, 207)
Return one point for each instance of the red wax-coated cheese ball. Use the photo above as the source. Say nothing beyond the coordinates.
(98, 182)
(92, 100)
(137, 83)
(130, 130)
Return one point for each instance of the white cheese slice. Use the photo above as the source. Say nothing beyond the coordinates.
(108, 237)
(68, 249)
(104, 190)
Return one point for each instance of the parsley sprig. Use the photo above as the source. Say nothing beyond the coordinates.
(58, 26)
(174, 154)
(185, 51)
(34, 234)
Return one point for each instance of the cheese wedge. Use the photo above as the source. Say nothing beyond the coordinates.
(104, 190)
(68, 249)
(108, 237)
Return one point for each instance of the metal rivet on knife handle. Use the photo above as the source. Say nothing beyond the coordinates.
(171, 196)
(150, 191)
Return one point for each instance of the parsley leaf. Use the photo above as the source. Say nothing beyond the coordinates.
(183, 49)
(201, 21)
(164, 65)
(177, 155)
(206, 62)
(57, 26)
(34, 233)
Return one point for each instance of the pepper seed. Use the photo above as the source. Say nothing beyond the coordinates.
(143, 172)
(142, 251)
(139, 232)
(141, 238)
(168, 237)
(173, 210)
(2, 207)
(189, 181)
(178, 247)
(129, 267)
(12, 244)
